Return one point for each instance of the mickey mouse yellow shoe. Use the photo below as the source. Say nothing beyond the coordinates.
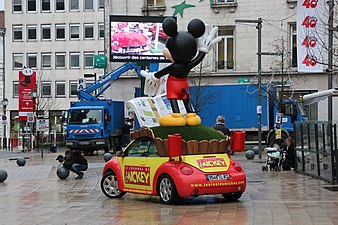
(175, 119)
(193, 119)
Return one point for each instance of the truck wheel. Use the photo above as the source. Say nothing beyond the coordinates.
(167, 190)
(108, 148)
(109, 186)
(231, 197)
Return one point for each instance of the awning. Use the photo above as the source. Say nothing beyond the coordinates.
(319, 96)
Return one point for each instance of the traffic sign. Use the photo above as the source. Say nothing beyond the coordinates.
(30, 117)
(81, 84)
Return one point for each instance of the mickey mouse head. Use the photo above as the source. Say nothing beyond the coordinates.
(181, 46)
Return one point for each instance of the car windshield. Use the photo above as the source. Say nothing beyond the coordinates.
(85, 116)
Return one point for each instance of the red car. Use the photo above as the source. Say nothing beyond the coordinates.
(140, 169)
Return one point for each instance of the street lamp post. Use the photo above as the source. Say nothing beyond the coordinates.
(259, 76)
(4, 106)
(34, 95)
(4, 100)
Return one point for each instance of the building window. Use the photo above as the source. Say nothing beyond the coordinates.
(74, 60)
(101, 4)
(88, 59)
(17, 60)
(46, 32)
(101, 30)
(72, 88)
(31, 33)
(17, 5)
(46, 89)
(74, 5)
(32, 60)
(31, 5)
(293, 44)
(45, 5)
(60, 32)
(88, 31)
(17, 33)
(15, 89)
(60, 88)
(74, 31)
(46, 60)
(155, 3)
(60, 5)
(60, 60)
(88, 5)
(225, 48)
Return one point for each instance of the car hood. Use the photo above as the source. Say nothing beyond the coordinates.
(208, 163)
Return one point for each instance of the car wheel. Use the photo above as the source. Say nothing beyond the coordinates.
(167, 190)
(109, 186)
(232, 196)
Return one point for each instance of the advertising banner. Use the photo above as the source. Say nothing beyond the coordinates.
(27, 83)
(310, 35)
(137, 38)
(42, 125)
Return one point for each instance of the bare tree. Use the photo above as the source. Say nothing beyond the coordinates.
(43, 104)
(201, 97)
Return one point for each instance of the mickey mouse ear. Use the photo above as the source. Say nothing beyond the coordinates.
(170, 26)
(196, 27)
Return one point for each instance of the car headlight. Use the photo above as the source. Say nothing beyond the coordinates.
(69, 143)
(100, 142)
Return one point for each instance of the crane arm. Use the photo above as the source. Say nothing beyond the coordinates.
(105, 81)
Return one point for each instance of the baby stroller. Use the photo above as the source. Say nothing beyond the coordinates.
(274, 158)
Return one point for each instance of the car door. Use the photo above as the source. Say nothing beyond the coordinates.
(154, 161)
(136, 174)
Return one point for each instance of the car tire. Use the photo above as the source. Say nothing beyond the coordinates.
(231, 197)
(109, 186)
(167, 190)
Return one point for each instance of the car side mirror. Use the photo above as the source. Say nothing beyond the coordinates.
(119, 154)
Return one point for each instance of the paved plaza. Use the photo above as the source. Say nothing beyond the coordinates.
(34, 195)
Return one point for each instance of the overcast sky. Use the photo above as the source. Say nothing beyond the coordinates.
(2, 4)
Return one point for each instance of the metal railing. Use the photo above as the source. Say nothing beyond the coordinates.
(43, 141)
(316, 150)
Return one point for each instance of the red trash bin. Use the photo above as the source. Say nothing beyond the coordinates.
(14, 142)
(174, 145)
(237, 141)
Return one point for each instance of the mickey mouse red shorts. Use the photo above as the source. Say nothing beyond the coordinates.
(175, 86)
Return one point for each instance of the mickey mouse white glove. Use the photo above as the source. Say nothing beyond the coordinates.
(151, 84)
(207, 41)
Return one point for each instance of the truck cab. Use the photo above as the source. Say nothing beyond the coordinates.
(91, 127)
(292, 111)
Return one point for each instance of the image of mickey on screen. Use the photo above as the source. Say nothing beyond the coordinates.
(185, 49)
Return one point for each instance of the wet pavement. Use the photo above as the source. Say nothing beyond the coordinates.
(34, 195)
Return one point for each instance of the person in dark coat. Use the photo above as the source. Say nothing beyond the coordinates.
(220, 126)
(127, 126)
(75, 162)
(289, 151)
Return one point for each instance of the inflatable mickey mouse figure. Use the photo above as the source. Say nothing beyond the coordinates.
(181, 49)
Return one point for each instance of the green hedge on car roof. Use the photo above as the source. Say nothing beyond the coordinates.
(188, 133)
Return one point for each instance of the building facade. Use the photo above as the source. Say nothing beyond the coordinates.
(235, 57)
(58, 39)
